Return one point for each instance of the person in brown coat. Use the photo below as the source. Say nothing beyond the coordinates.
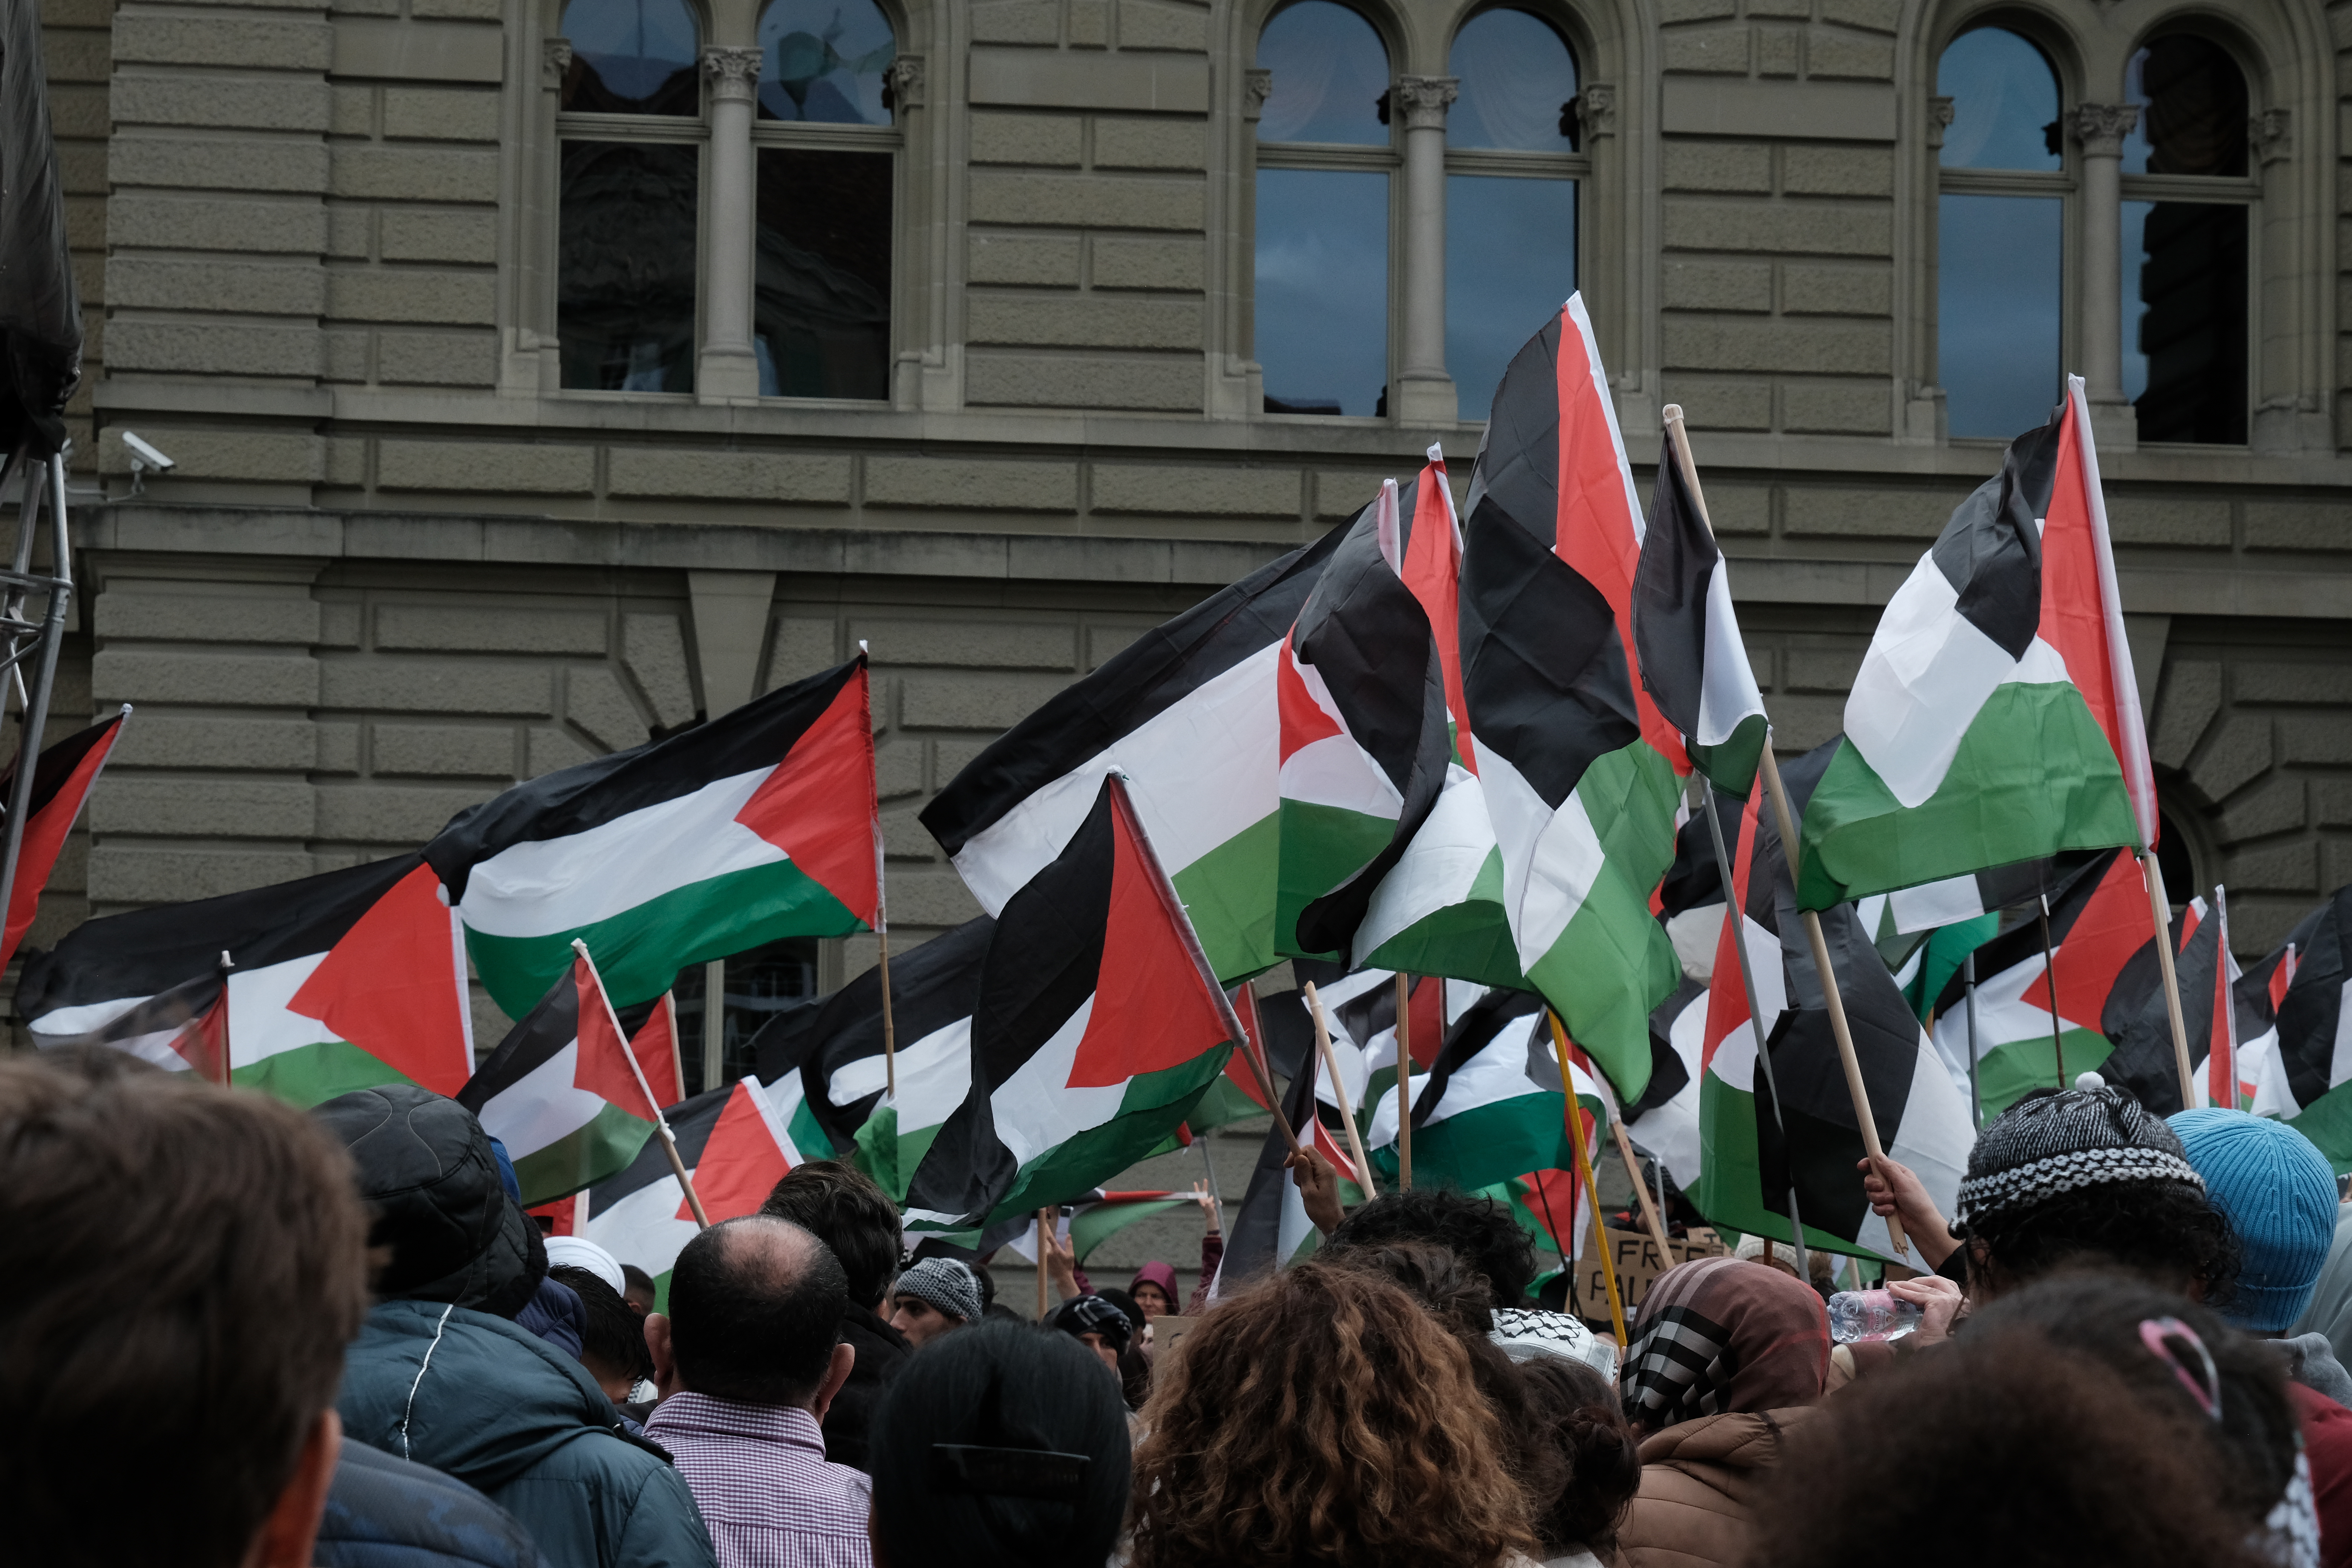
(1727, 1358)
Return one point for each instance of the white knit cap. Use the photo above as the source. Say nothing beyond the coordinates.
(578, 1252)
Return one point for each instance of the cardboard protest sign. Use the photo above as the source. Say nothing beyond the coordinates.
(1635, 1257)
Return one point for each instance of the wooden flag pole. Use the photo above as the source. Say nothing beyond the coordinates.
(889, 1036)
(2159, 911)
(1976, 1098)
(1405, 1082)
(1649, 1215)
(661, 1122)
(1839, 1028)
(1591, 1182)
(1044, 1234)
(1338, 1093)
(677, 1046)
(2050, 976)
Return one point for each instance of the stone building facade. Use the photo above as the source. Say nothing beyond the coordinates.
(418, 544)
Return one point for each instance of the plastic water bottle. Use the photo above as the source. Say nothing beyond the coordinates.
(1864, 1316)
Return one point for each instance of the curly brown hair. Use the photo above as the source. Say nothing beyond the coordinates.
(1323, 1416)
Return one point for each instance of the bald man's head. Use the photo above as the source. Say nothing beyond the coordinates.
(755, 1307)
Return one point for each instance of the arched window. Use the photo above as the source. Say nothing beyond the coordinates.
(2187, 196)
(629, 112)
(1323, 160)
(2000, 225)
(1512, 159)
(828, 158)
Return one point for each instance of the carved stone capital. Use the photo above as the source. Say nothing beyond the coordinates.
(902, 83)
(733, 74)
(2099, 129)
(554, 59)
(2271, 134)
(1257, 86)
(1596, 110)
(1939, 119)
(1422, 101)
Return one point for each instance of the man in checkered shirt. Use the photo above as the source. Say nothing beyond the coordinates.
(746, 1360)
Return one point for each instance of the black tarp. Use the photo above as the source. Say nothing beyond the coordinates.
(40, 309)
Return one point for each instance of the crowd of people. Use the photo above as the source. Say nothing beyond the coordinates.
(243, 1336)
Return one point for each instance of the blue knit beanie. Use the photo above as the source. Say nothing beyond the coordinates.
(2278, 1193)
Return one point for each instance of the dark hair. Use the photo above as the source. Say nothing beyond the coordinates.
(1134, 1366)
(1479, 1229)
(187, 1265)
(2098, 1314)
(2166, 1231)
(614, 1335)
(2002, 1448)
(1572, 1411)
(755, 1309)
(635, 1278)
(840, 1205)
(999, 1386)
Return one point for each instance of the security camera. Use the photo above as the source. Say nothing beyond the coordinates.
(143, 457)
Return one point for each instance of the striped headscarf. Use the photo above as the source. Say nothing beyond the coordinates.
(1720, 1334)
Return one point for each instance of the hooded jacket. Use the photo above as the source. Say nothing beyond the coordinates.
(477, 1398)
(1700, 1480)
(383, 1512)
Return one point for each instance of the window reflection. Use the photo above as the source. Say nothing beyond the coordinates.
(2184, 299)
(1510, 259)
(1331, 77)
(825, 60)
(1323, 289)
(2004, 104)
(822, 315)
(631, 57)
(625, 266)
(2193, 119)
(1997, 310)
(1517, 83)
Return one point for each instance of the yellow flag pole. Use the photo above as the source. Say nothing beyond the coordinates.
(1591, 1182)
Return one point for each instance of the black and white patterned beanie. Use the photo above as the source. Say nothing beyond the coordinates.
(2061, 1142)
(947, 1283)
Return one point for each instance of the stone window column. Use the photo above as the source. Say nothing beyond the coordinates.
(2099, 129)
(1425, 394)
(728, 367)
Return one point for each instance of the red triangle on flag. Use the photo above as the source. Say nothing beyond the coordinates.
(818, 804)
(656, 1047)
(1433, 573)
(1303, 720)
(603, 1068)
(1727, 992)
(1155, 1006)
(204, 1042)
(742, 1162)
(56, 801)
(396, 986)
(2112, 926)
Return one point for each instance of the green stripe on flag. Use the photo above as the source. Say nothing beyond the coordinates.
(639, 951)
(2327, 1123)
(312, 1075)
(2033, 776)
(1321, 847)
(1149, 1112)
(1614, 963)
(603, 1148)
(1097, 1222)
(2007, 1073)
(1229, 893)
(889, 1156)
(1468, 941)
(1490, 1144)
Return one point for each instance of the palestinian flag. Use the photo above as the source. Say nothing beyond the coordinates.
(1553, 1207)
(62, 780)
(1366, 738)
(1189, 715)
(1995, 718)
(339, 982)
(2297, 1030)
(1096, 1029)
(1235, 1096)
(1438, 910)
(1095, 1219)
(2222, 1061)
(734, 1145)
(183, 1029)
(1491, 1108)
(1665, 1121)
(1270, 1230)
(560, 1091)
(2105, 970)
(2140, 1024)
(833, 1048)
(1748, 1165)
(1694, 663)
(757, 826)
(1577, 765)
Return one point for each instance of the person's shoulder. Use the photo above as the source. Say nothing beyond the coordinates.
(1743, 1440)
(381, 1508)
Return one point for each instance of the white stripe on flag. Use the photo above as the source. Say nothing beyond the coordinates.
(1727, 690)
(1036, 1109)
(1933, 1139)
(1933, 904)
(553, 885)
(934, 1076)
(260, 1024)
(1550, 858)
(541, 1108)
(1670, 1131)
(644, 1227)
(1440, 864)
